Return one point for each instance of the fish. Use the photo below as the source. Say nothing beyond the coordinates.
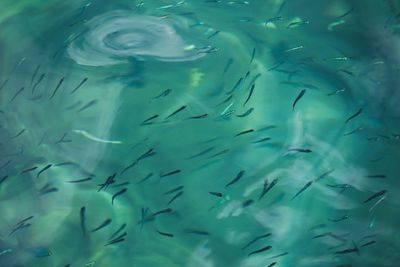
(163, 94)
(347, 72)
(122, 227)
(102, 225)
(349, 250)
(302, 190)
(117, 239)
(110, 180)
(358, 129)
(96, 139)
(199, 116)
(302, 150)
(83, 219)
(118, 194)
(301, 94)
(344, 217)
(4, 83)
(63, 140)
(178, 188)
(212, 35)
(47, 189)
(147, 121)
(246, 113)
(3, 179)
(368, 243)
(145, 178)
(217, 194)
(38, 82)
(29, 170)
(196, 232)
(175, 112)
(267, 187)
(18, 134)
(167, 210)
(219, 153)
(147, 154)
(244, 132)
(79, 85)
(122, 184)
(247, 203)
(250, 94)
(266, 248)
(180, 193)
(297, 23)
(376, 176)
(24, 220)
(279, 255)
(378, 194)
(336, 92)
(267, 128)
(43, 170)
(237, 84)
(228, 64)
(325, 174)
(253, 55)
(261, 140)
(57, 87)
(34, 74)
(80, 180)
(19, 227)
(354, 115)
(256, 239)
(170, 173)
(16, 94)
(236, 179)
(165, 234)
(88, 105)
(201, 153)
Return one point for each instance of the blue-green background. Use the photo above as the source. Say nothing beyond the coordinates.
(360, 55)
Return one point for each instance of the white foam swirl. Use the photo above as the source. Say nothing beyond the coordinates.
(114, 37)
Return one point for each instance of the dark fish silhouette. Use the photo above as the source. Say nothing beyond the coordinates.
(303, 189)
(255, 240)
(267, 187)
(163, 94)
(102, 225)
(380, 193)
(250, 94)
(178, 188)
(83, 219)
(260, 250)
(43, 170)
(175, 197)
(354, 115)
(201, 153)
(175, 112)
(79, 85)
(147, 121)
(246, 113)
(196, 232)
(217, 194)
(244, 132)
(237, 178)
(57, 87)
(165, 234)
(118, 194)
(170, 173)
(301, 94)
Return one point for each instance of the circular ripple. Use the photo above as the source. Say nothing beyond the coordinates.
(114, 37)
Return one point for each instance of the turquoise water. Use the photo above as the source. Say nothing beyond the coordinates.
(199, 133)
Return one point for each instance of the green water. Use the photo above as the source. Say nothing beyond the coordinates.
(252, 101)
